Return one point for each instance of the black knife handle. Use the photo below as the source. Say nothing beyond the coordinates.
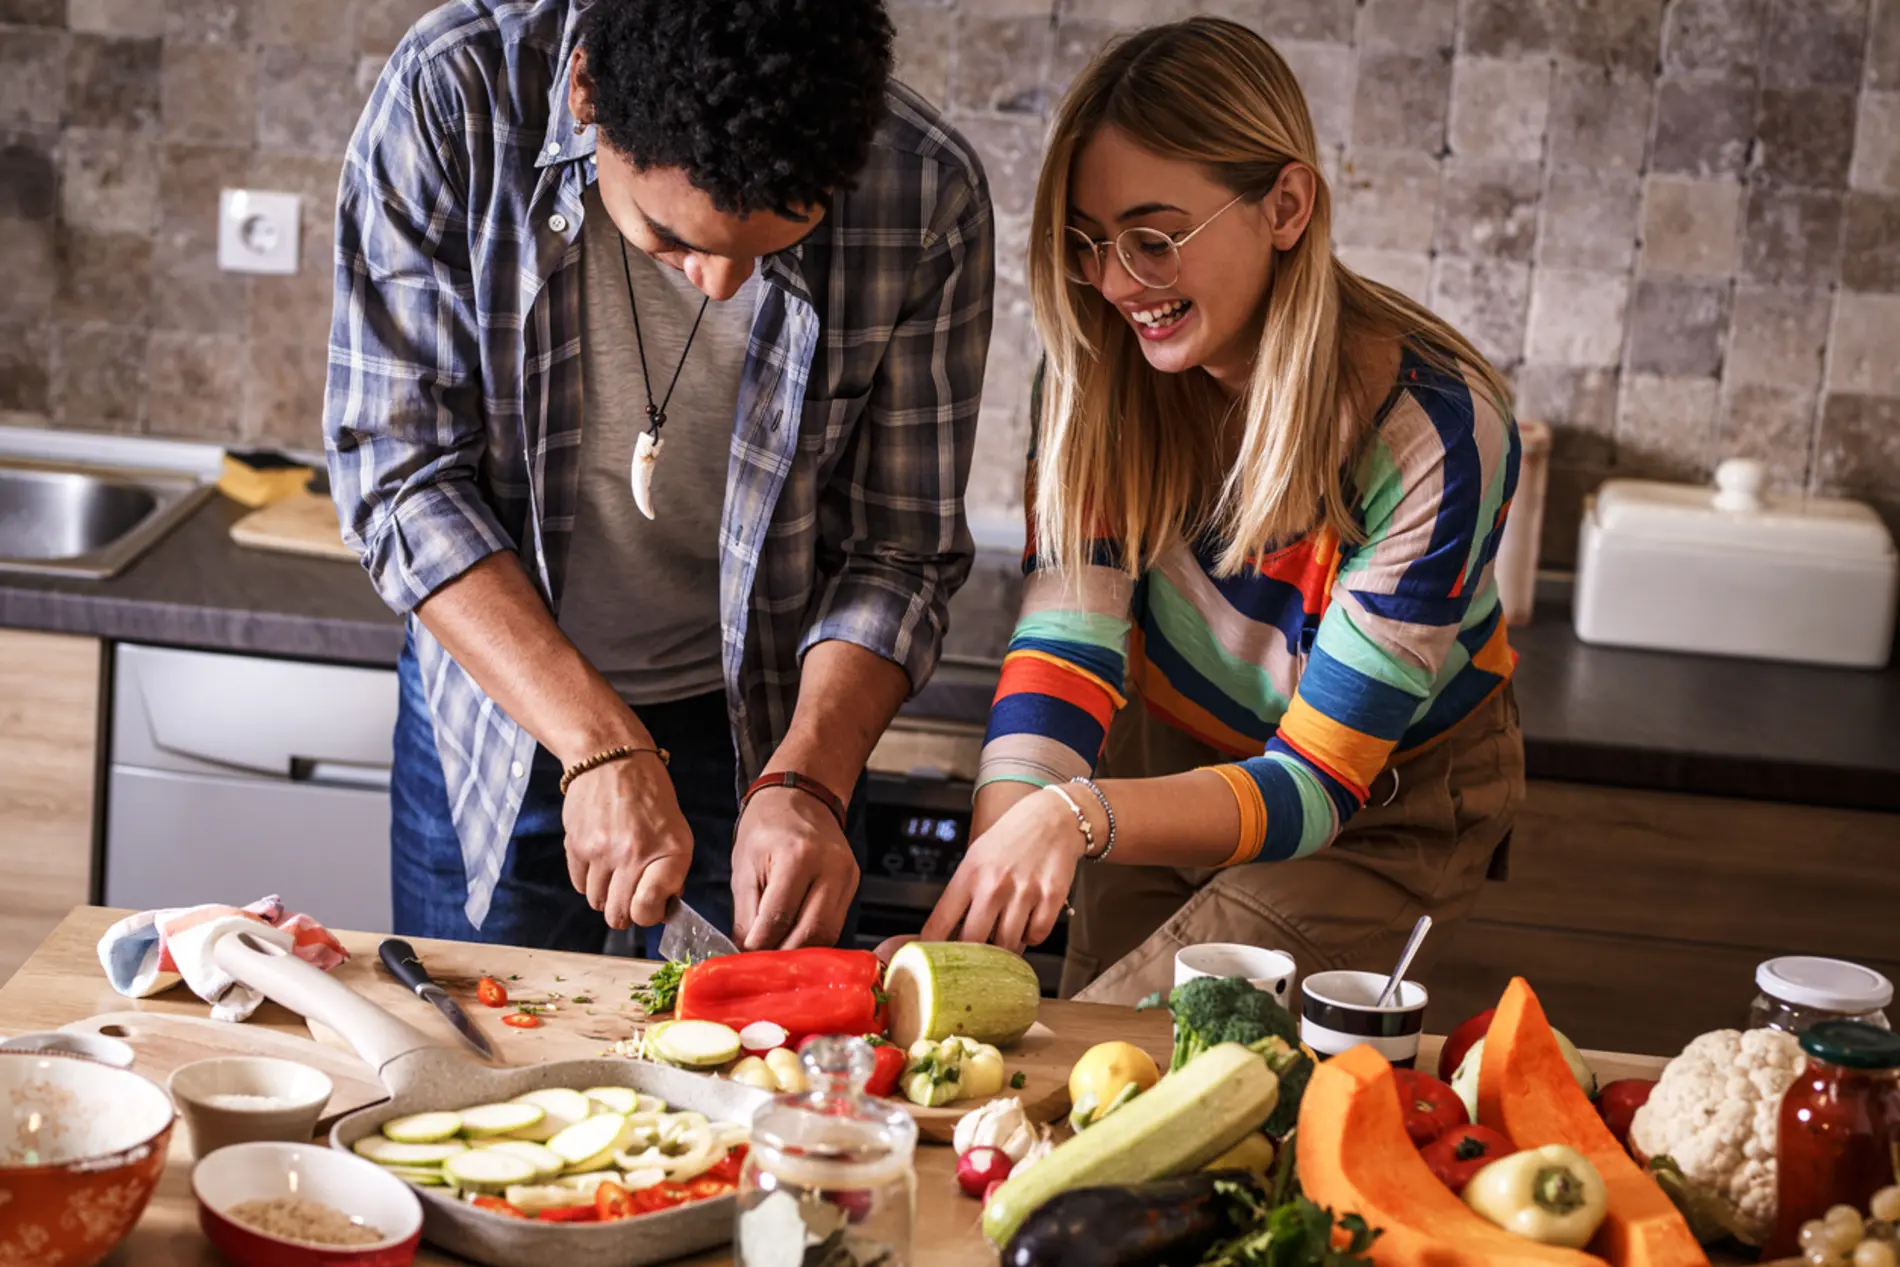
(404, 964)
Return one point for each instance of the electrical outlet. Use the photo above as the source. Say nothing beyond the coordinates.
(257, 231)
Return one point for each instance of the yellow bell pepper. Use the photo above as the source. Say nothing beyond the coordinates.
(1552, 1194)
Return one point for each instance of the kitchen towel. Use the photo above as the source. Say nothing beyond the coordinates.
(153, 951)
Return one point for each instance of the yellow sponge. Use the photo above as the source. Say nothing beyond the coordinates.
(258, 479)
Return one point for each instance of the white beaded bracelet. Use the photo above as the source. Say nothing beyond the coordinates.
(1081, 819)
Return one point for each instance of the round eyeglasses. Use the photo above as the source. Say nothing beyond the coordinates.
(1151, 257)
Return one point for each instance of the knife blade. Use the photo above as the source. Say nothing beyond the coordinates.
(691, 936)
(406, 966)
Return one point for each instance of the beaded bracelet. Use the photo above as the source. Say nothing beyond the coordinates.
(1108, 810)
(602, 758)
(1081, 819)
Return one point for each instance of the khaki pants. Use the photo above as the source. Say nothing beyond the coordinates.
(1422, 845)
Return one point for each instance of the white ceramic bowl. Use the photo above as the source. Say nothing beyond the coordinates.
(346, 1183)
(82, 1145)
(107, 1051)
(289, 1100)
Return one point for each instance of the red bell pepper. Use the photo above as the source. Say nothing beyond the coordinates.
(611, 1202)
(571, 1214)
(889, 1063)
(814, 990)
(495, 1205)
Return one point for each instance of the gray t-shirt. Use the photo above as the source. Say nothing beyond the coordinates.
(641, 599)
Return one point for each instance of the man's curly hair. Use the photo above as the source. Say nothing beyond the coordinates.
(764, 104)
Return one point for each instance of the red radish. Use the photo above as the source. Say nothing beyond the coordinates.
(762, 1036)
(981, 1167)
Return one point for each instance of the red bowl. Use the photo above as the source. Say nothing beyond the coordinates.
(245, 1172)
(82, 1146)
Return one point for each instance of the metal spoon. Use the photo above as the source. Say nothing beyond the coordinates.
(1412, 944)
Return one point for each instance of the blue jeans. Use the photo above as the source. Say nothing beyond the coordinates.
(535, 903)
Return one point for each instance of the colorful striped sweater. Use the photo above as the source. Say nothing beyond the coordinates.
(1313, 672)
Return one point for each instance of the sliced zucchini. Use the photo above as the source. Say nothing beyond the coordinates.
(423, 1128)
(546, 1162)
(388, 1152)
(621, 1100)
(487, 1170)
(602, 1160)
(534, 1198)
(588, 1138)
(561, 1108)
(420, 1176)
(487, 1120)
(694, 1044)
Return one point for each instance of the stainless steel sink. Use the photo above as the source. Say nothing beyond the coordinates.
(66, 520)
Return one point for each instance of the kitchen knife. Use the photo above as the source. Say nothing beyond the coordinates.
(406, 966)
(690, 936)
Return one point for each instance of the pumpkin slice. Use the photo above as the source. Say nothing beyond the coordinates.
(1353, 1155)
(1526, 1090)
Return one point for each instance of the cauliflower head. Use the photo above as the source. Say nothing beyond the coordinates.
(1715, 1112)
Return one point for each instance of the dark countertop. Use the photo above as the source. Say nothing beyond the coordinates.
(1591, 714)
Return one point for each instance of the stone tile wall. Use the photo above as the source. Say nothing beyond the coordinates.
(1676, 222)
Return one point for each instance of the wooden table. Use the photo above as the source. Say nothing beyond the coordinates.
(62, 982)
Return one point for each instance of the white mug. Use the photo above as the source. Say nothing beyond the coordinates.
(1268, 970)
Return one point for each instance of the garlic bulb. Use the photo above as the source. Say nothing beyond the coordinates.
(999, 1124)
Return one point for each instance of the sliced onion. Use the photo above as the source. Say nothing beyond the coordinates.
(763, 1036)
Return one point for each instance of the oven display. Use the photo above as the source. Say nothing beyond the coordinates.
(911, 846)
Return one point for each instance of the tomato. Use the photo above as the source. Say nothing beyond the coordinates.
(728, 1168)
(1459, 1041)
(888, 1066)
(611, 1201)
(1617, 1103)
(491, 992)
(495, 1205)
(1463, 1151)
(706, 1187)
(573, 1213)
(1431, 1108)
(522, 1020)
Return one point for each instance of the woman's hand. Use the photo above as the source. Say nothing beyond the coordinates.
(1014, 880)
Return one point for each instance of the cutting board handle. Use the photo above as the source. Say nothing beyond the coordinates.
(378, 1037)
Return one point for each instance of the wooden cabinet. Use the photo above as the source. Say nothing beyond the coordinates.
(49, 750)
(1640, 916)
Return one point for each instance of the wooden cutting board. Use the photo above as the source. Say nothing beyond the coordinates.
(302, 523)
(575, 1029)
(164, 1044)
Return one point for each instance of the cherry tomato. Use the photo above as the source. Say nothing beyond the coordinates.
(1617, 1103)
(1460, 1041)
(522, 1020)
(572, 1213)
(728, 1168)
(1431, 1107)
(888, 1064)
(706, 1187)
(495, 1205)
(611, 1201)
(491, 992)
(1463, 1151)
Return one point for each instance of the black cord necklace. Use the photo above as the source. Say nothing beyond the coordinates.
(656, 414)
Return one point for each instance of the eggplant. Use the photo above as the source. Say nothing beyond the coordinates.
(1167, 1223)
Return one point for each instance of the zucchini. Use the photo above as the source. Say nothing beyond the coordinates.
(419, 1176)
(485, 1120)
(621, 1100)
(1178, 1125)
(586, 1140)
(387, 1152)
(560, 1108)
(1169, 1221)
(940, 988)
(486, 1170)
(693, 1044)
(545, 1161)
(423, 1128)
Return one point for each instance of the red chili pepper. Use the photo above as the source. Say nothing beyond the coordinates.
(522, 1020)
(661, 1196)
(1431, 1108)
(495, 1205)
(611, 1201)
(889, 1065)
(729, 1167)
(814, 990)
(491, 992)
(572, 1213)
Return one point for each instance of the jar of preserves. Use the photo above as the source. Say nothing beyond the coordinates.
(1799, 990)
(1838, 1128)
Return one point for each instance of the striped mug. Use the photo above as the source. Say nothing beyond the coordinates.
(1339, 1010)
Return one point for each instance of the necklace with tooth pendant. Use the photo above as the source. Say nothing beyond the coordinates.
(646, 450)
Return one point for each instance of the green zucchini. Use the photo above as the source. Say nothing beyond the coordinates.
(940, 988)
(1190, 1117)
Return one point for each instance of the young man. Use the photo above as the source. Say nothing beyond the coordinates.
(659, 335)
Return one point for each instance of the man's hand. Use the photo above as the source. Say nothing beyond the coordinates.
(628, 845)
(793, 873)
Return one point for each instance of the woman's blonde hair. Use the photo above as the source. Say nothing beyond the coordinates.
(1131, 454)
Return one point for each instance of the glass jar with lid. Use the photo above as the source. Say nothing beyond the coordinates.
(829, 1176)
(1799, 990)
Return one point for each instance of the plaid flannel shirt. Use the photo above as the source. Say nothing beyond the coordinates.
(453, 412)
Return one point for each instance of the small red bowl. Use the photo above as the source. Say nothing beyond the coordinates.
(260, 1171)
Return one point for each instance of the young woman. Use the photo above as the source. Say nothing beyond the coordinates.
(1265, 496)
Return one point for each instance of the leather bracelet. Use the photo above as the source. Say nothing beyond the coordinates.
(798, 783)
(603, 757)
(1108, 811)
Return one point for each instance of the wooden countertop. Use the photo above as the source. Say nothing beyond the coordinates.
(63, 983)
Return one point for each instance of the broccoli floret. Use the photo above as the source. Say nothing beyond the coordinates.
(1210, 1010)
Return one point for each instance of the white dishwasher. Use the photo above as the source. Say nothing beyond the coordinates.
(233, 777)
